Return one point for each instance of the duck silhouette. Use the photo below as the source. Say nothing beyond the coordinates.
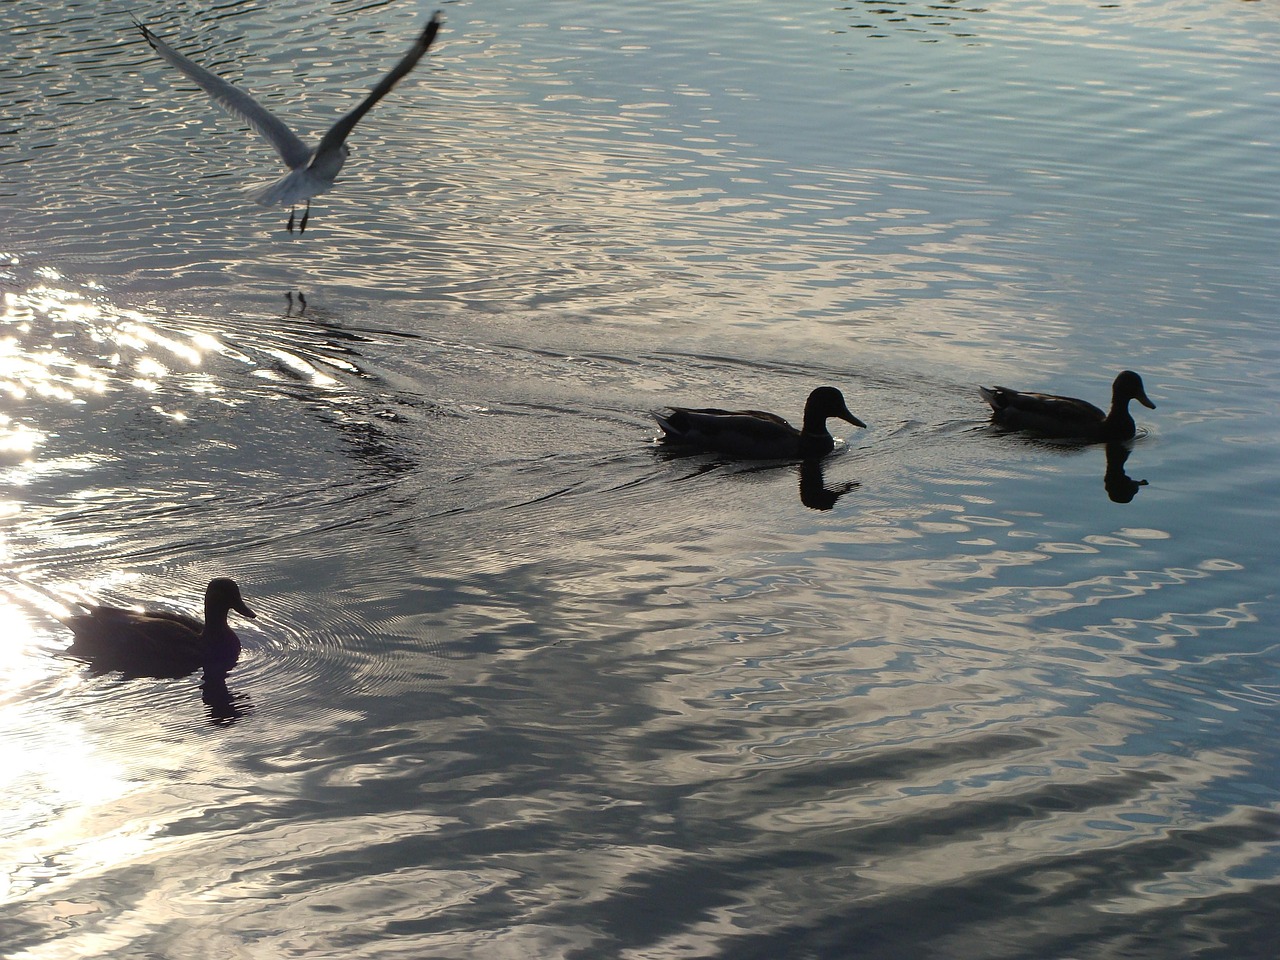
(148, 643)
(1066, 417)
(756, 435)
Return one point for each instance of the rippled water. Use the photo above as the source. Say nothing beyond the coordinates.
(524, 684)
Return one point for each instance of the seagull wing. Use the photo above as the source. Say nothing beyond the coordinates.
(292, 151)
(339, 132)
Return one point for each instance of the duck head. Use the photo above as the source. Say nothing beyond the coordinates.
(221, 596)
(221, 645)
(1128, 386)
(827, 402)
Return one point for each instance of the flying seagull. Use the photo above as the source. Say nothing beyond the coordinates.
(311, 172)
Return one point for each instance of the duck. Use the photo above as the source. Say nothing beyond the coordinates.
(1067, 417)
(756, 435)
(159, 643)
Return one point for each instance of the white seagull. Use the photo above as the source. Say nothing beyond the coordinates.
(311, 172)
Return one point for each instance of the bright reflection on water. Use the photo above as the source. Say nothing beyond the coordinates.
(523, 682)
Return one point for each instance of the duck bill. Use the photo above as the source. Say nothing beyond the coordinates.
(850, 418)
(1143, 399)
(242, 608)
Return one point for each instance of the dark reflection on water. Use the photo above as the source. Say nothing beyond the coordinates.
(815, 493)
(1120, 487)
(990, 917)
(948, 18)
(225, 706)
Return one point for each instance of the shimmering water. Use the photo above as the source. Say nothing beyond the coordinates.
(522, 684)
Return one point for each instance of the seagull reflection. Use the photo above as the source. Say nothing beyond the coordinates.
(311, 171)
(296, 307)
(1121, 488)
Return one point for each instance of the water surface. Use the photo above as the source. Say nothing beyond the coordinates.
(521, 682)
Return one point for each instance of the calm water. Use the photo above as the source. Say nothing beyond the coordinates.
(521, 684)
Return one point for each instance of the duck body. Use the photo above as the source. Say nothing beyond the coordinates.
(755, 434)
(159, 643)
(1067, 417)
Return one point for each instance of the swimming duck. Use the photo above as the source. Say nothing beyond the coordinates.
(1055, 416)
(756, 435)
(162, 644)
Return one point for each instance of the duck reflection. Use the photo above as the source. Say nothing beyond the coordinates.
(162, 644)
(1121, 488)
(225, 706)
(814, 492)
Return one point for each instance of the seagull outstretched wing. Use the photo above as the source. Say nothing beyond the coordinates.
(292, 151)
(340, 130)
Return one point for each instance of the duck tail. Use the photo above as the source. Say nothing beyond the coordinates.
(664, 421)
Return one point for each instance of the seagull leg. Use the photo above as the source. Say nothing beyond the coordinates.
(305, 214)
(290, 225)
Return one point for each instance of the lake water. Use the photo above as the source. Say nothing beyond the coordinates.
(524, 685)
